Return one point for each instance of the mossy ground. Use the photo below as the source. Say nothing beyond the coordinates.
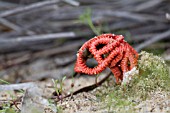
(153, 76)
(149, 88)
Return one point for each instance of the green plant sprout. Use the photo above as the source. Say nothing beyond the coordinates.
(86, 19)
(4, 82)
(7, 108)
(60, 82)
(59, 109)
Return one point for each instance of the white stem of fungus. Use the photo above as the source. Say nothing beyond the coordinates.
(127, 77)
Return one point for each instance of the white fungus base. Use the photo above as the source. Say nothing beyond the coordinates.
(127, 77)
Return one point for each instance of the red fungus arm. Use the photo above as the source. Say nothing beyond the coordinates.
(120, 56)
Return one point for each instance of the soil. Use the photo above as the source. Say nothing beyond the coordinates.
(96, 101)
(88, 102)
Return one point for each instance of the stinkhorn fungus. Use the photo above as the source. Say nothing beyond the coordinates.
(108, 50)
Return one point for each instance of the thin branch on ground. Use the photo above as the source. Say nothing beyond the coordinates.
(27, 8)
(17, 86)
(86, 88)
(153, 40)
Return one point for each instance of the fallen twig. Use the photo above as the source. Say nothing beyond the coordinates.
(147, 5)
(26, 8)
(44, 53)
(72, 2)
(14, 43)
(153, 40)
(53, 51)
(86, 88)
(9, 24)
(7, 4)
(17, 86)
(39, 37)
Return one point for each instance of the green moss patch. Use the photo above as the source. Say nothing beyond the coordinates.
(153, 76)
